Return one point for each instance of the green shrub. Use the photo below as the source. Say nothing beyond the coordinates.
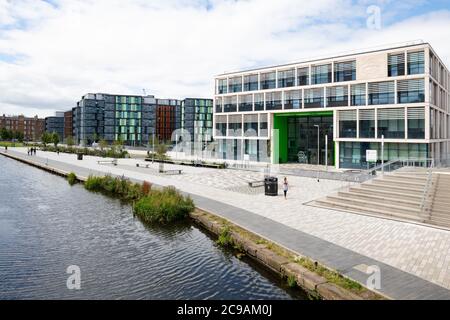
(224, 239)
(164, 206)
(94, 183)
(291, 281)
(72, 178)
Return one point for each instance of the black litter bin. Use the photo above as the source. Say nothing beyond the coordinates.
(271, 186)
(80, 156)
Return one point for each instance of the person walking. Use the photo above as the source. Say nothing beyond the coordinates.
(285, 187)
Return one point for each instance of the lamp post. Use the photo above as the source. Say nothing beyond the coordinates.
(318, 143)
(326, 152)
(153, 146)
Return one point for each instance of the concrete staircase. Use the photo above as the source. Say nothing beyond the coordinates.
(396, 195)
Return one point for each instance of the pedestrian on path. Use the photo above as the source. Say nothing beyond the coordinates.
(285, 187)
(28, 151)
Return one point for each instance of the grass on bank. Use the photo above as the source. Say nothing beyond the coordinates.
(72, 178)
(152, 206)
(112, 152)
(330, 275)
(10, 144)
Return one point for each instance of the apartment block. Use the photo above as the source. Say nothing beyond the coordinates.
(332, 110)
(55, 124)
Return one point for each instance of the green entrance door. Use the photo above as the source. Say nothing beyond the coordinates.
(298, 137)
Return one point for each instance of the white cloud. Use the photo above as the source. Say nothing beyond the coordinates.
(174, 48)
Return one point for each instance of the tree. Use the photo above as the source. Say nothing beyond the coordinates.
(118, 143)
(55, 139)
(69, 141)
(5, 134)
(19, 136)
(103, 144)
(46, 138)
(161, 150)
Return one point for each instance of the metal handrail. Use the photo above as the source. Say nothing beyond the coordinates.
(426, 193)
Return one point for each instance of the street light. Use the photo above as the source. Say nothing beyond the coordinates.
(318, 143)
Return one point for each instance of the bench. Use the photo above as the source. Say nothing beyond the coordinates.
(114, 162)
(255, 184)
(172, 171)
(146, 165)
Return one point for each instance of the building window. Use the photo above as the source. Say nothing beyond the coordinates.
(347, 124)
(381, 93)
(314, 98)
(230, 104)
(396, 65)
(293, 99)
(337, 96)
(416, 123)
(367, 124)
(235, 84)
(411, 91)
(391, 123)
(251, 82)
(221, 125)
(222, 86)
(286, 78)
(263, 125)
(416, 62)
(345, 71)
(246, 102)
(259, 101)
(235, 125)
(303, 76)
(321, 74)
(250, 125)
(218, 105)
(273, 101)
(268, 80)
(358, 92)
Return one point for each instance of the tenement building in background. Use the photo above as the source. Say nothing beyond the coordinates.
(55, 124)
(333, 110)
(32, 128)
(168, 118)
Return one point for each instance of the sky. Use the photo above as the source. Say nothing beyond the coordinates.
(53, 52)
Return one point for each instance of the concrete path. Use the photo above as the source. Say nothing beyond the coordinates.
(245, 210)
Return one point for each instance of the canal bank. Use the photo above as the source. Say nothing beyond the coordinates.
(396, 284)
(46, 225)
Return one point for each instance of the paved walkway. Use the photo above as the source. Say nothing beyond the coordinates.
(414, 260)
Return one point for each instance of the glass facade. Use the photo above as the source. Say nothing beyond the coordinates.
(293, 99)
(314, 98)
(396, 65)
(235, 84)
(416, 62)
(391, 123)
(273, 101)
(251, 82)
(246, 102)
(416, 123)
(352, 155)
(345, 71)
(259, 101)
(222, 86)
(337, 96)
(230, 104)
(286, 78)
(303, 76)
(367, 123)
(347, 124)
(303, 139)
(381, 93)
(358, 94)
(268, 80)
(321, 74)
(411, 91)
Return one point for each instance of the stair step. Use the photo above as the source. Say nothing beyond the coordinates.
(359, 209)
(396, 183)
(409, 191)
(405, 178)
(386, 193)
(380, 199)
(385, 207)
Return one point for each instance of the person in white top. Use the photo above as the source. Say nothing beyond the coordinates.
(285, 187)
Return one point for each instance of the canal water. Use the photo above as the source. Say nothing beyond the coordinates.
(47, 226)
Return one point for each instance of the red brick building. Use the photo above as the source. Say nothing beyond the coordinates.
(32, 128)
(68, 127)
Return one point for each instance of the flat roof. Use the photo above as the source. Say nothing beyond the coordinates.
(348, 54)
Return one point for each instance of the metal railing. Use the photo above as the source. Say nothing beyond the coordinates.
(425, 204)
